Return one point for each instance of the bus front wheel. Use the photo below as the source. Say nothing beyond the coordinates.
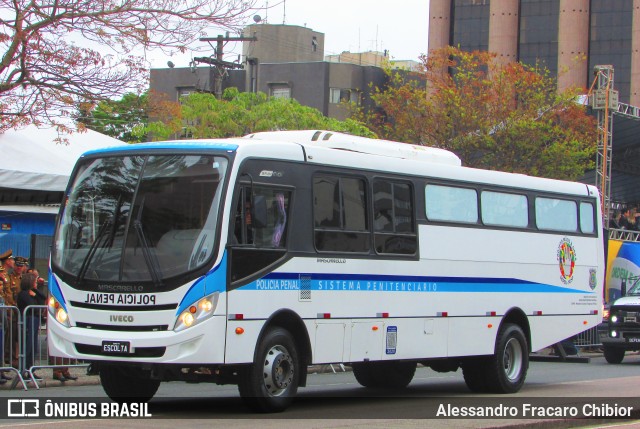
(507, 368)
(127, 384)
(271, 383)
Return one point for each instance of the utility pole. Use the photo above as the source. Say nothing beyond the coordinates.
(217, 62)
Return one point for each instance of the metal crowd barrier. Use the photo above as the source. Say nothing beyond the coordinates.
(34, 353)
(23, 346)
(10, 346)
(590, 339)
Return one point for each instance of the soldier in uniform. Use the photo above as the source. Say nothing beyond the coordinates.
(15, 277)
(21, 264)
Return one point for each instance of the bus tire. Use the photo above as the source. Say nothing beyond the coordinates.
(387, 374)
(613, 355)
(127, 384)
(507, 368)
(271, 383)
(364, 374)
(395, 374)
(475, 376)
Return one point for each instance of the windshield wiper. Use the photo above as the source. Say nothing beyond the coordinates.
(92, 250)
(149, 257)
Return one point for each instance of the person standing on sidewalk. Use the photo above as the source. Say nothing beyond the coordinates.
(11, 317)
(19, 267)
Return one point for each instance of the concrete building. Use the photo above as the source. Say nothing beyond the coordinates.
(372, 58)
(283, 61)
(569, 37)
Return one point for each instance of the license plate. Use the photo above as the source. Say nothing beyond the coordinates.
(116, 347)
(634, 340)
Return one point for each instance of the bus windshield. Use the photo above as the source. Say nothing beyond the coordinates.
(139, 218)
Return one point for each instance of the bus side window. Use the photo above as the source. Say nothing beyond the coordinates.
(340, 215)
(261, 219)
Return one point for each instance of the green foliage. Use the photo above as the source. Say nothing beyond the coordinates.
(241, 113)
(120, 119)
(502, 117)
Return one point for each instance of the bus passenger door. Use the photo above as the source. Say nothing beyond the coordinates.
(259, 234)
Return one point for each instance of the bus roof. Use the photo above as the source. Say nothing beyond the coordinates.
(333, 140)
(320, 147)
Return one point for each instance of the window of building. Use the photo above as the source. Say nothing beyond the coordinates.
(556, 215)
(502, 209)
(340, 215)
(451, 204)
(393, 219)
(184, 92)
(280, 91)
(337, 96)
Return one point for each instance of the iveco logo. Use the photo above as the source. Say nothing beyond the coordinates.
(121, 318)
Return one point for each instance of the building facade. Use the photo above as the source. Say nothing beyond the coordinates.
(283, 61)
(569, 37)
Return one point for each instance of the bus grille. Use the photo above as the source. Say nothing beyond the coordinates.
(147, 328)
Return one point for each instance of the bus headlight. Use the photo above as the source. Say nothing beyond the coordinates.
(57, 311)
(197, 312)
(614, 318)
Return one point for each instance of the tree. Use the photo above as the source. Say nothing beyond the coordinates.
(508, 118)
(122, 119)
(56, 55)
(202, 115)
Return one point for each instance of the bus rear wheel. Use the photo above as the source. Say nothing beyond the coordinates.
(388, 374)
(271, 382)
(507, 368)
(613, 355)
(127, 384)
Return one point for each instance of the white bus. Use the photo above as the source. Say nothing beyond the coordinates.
(244, 261)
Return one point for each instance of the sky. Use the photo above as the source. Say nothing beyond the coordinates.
(402, 27)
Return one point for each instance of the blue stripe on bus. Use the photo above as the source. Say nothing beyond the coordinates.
(214, 281)
(55, 291)
(390, 283)
(166, 145)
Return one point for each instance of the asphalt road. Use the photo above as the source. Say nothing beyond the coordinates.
(337, 401)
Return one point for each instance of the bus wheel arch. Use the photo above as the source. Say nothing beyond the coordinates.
(279, 366)
(518, 317)
(292, 322)
(506, 369)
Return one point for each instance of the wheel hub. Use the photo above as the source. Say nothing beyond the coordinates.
(278, 370)
(512, 359)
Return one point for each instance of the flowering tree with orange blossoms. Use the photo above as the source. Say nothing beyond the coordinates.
(57, 54)
(507, 118)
